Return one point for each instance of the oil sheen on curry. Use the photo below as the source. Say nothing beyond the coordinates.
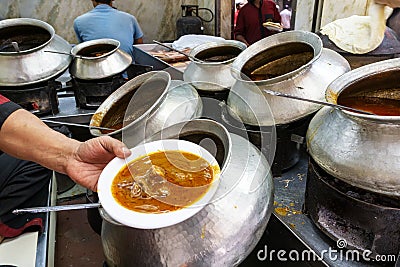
(162, 181)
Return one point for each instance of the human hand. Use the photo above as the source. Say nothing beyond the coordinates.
(391, 3)
(90, 158)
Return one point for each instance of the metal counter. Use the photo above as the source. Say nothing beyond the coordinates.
(46, 240)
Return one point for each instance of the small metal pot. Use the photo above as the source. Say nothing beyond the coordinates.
(145, 105)
(203, 74)
(292, 62)
(23, 56)
(362, 150)
(98, 59)
(224, 232)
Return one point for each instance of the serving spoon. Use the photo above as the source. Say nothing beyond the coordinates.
(275, 93)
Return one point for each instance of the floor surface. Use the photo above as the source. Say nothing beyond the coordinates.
(77, 244)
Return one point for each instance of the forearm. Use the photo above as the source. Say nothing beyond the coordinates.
(25, 136)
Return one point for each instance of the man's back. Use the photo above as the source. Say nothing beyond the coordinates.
(106, 22)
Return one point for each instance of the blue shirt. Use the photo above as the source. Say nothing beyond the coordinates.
(103, 21)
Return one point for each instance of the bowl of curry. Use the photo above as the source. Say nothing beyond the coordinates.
(160, 184)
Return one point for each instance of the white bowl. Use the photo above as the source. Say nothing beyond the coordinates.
(154, 220)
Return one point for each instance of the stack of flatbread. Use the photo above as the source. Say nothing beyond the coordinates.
(359, 34)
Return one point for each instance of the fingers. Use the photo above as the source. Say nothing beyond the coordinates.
(115, 146)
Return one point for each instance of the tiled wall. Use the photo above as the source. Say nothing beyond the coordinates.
(157, 18)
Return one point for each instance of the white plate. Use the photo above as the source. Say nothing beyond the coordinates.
(151, 220)
(272, 28)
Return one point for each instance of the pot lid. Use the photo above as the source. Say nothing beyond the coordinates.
(23, 56)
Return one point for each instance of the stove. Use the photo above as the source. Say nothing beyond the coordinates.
(289, 140)
(89, 94)
(367, 221)
(40, 98)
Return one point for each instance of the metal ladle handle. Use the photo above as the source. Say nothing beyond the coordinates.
(62, 53)
(16, 47)
(56, 208)
(79, 125)
(275, 93)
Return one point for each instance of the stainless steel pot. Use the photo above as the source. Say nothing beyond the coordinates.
(145, 105)
(224, 232)
(23, 59)
(97, 59)
(362, 150)
(203, 74)
(292, 62)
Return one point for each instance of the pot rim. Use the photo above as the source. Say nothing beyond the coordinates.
(28, 22)
(209, 45)
(295, 36)
(341, 83)
(75, 50)
(132, 84)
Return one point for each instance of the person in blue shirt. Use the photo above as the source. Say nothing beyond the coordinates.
(104, 21)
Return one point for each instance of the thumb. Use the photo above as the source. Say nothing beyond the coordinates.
(115, 147)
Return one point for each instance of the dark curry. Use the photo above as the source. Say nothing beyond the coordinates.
(162, 181)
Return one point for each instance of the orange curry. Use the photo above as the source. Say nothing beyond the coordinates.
(162, 181)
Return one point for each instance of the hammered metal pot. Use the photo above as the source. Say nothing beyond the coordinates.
(203, 74)
(362, 150)
(145, 105)
(98, 59)
(224, 232)
(23, 56)
(292, 62)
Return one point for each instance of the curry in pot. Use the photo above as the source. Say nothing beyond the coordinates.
(376, 105)
(162, 181)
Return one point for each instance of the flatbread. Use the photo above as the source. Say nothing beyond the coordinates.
(359, 34)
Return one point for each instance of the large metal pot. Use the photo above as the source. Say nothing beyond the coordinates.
(203, 74)
(224, 232)
(23, 56)
(145, 105)
(292, 62)
(98, 59)
(362, 150)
